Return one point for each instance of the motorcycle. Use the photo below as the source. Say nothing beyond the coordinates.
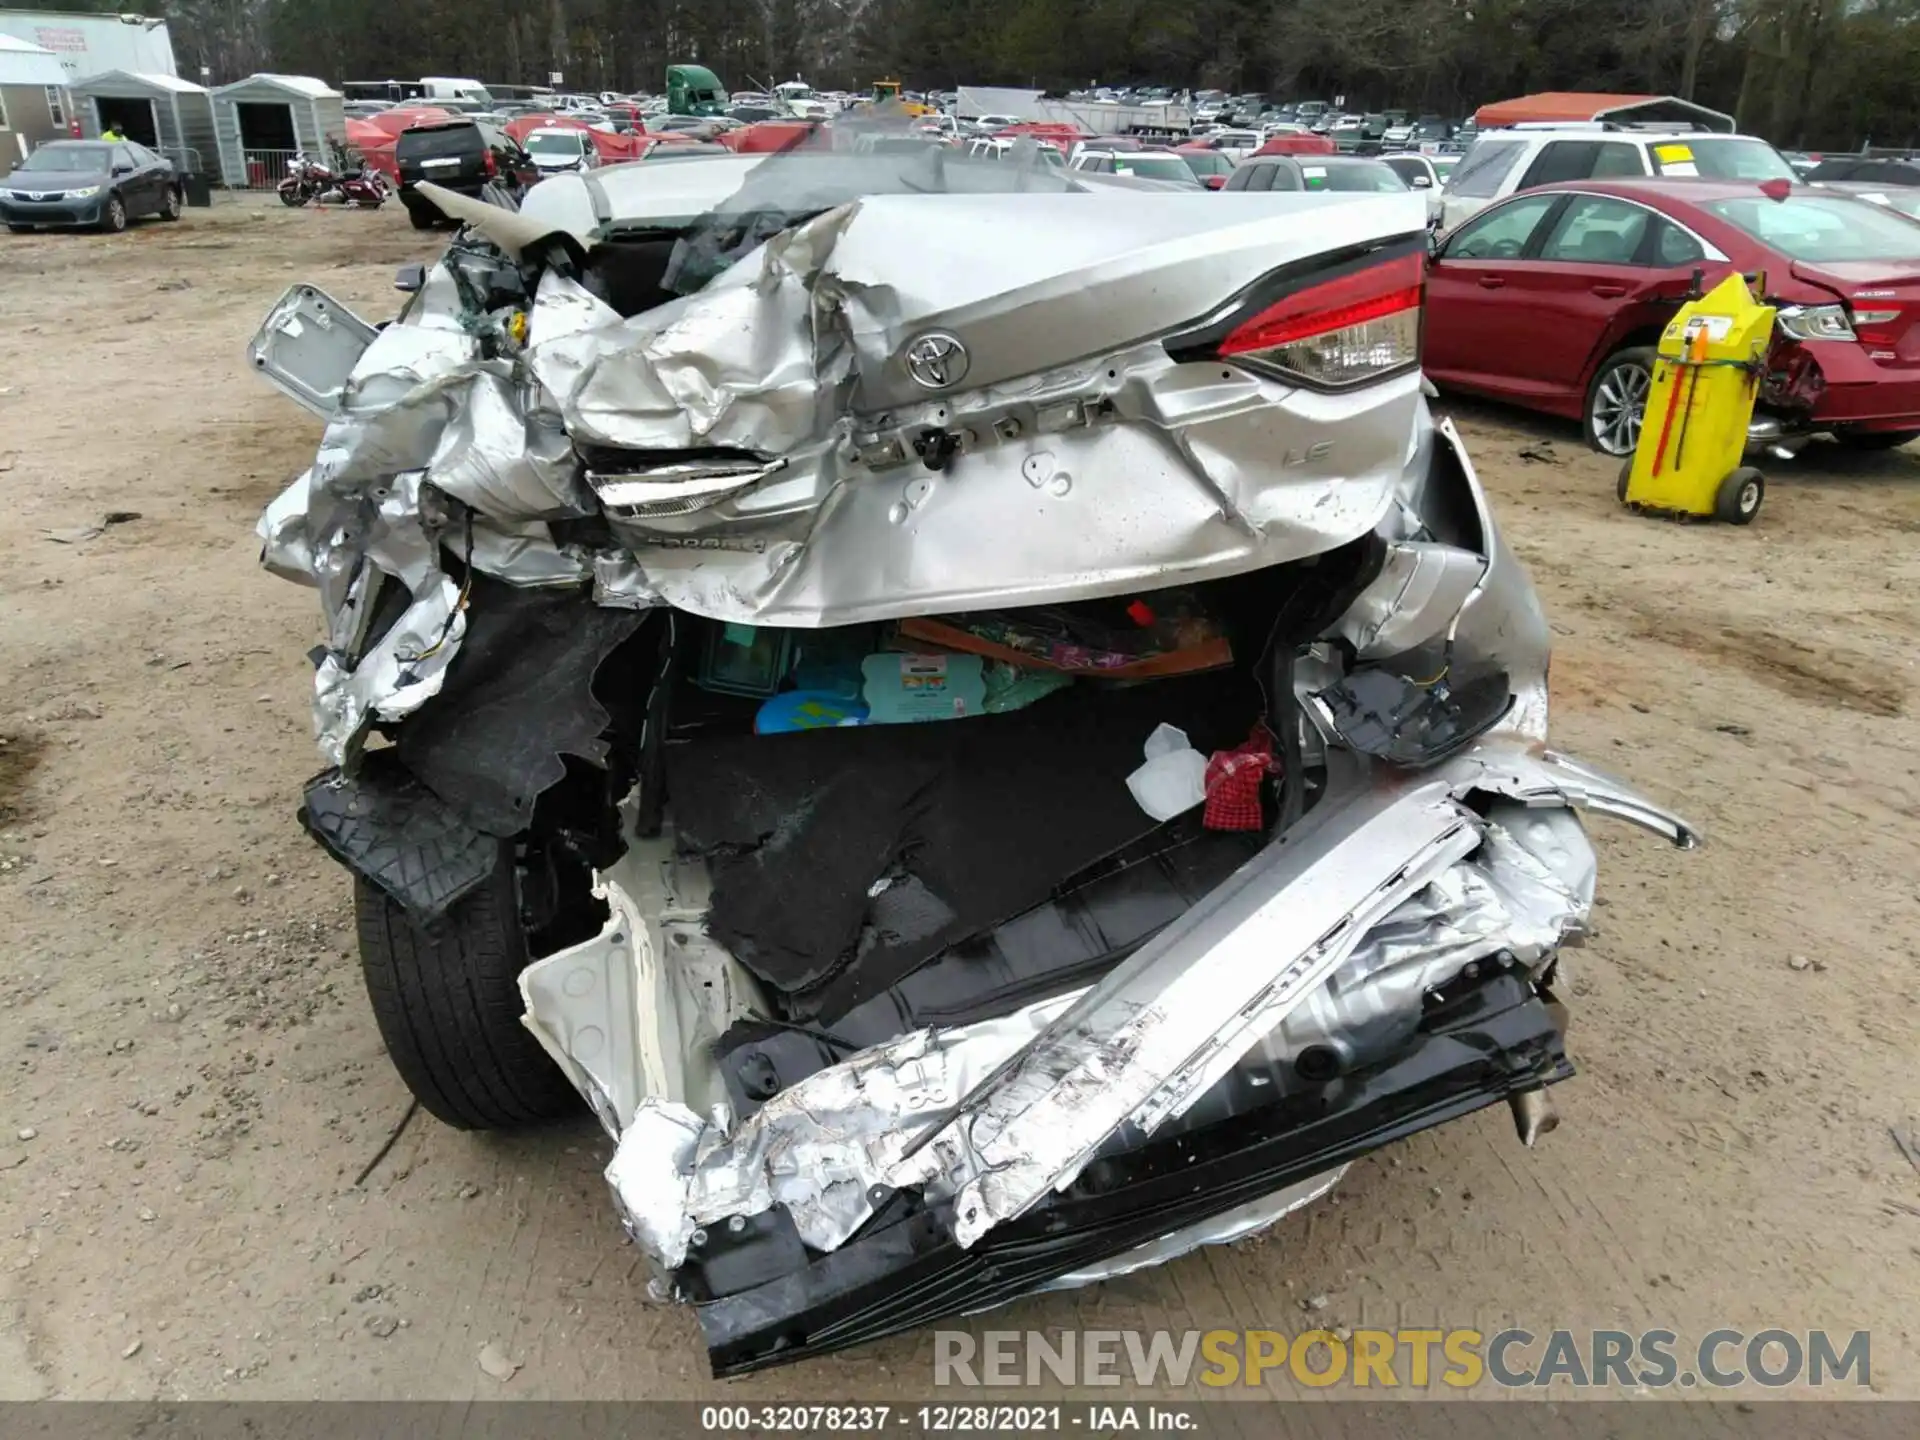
(314, 181)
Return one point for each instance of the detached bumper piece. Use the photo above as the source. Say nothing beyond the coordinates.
(1490, 1036)
(388, 827)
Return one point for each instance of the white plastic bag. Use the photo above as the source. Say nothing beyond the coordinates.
(1174, 779)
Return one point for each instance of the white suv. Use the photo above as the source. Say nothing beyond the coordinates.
(1504, 161)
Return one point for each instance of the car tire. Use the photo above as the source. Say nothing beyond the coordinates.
(21, 229)
(1871, 440)
(421, 219)
(1621, 383)
(447, 1000)
(113, 215)
(170, 207)
(1738, 499)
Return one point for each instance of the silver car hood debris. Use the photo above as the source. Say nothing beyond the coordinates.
(1089, 461)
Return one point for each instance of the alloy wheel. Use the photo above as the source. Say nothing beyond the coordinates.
(1619, 402)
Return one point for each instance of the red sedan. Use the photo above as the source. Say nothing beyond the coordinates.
(1555, 298)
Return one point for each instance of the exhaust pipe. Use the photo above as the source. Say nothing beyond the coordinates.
(1533, 1115)
(1765, 432)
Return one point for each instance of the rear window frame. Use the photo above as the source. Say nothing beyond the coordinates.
(423, 135)
(1857, 215)
(1708, 144)
(1499, 157)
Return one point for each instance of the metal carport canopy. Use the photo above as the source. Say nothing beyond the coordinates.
(1580, 105)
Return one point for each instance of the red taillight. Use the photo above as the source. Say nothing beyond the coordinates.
(1877, 327)
(1354, 327)
(492, 167)
(1369, 294)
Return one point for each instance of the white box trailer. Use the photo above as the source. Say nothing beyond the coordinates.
(973, 101)
(94, 44)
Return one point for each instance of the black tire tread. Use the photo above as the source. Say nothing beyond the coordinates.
(1726, 500)
(447, 1002)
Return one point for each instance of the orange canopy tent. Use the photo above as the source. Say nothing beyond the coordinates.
(375, 146)
(405, 117)
(1565, 106)
(768, 137)
(374, 135)
(1297, 145)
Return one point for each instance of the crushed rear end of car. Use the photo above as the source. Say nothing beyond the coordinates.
(1009, 736)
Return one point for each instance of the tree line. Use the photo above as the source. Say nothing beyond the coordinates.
(1821, 73)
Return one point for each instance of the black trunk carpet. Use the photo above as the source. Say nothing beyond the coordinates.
(842, 859)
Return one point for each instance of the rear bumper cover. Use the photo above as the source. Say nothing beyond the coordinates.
(953, 1169)
(1861, 391)
(905, 1268)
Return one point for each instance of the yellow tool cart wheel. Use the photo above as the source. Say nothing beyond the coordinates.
(1626, 474)
(1738, 499)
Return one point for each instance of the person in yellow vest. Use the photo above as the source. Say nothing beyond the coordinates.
(112, 134)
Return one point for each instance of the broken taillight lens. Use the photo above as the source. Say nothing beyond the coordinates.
(1355, 327)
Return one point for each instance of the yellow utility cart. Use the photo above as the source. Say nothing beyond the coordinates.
(1693, 436)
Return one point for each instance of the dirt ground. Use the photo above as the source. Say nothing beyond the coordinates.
(192, 1079)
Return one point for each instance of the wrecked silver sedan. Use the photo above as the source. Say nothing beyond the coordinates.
(973, 716)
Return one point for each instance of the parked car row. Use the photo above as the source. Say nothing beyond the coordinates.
(1561, 252)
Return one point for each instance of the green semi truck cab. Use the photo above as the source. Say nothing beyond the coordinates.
(694, 90)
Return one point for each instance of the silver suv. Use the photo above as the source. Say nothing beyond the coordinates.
(1502, 162)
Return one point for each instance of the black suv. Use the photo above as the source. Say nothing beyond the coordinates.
(462, 155)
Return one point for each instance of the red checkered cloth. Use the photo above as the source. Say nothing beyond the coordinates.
(1233, 783)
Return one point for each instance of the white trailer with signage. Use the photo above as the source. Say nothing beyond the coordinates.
(1093, 116)
(94, 44)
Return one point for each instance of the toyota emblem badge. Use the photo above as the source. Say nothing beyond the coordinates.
(937, 361)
